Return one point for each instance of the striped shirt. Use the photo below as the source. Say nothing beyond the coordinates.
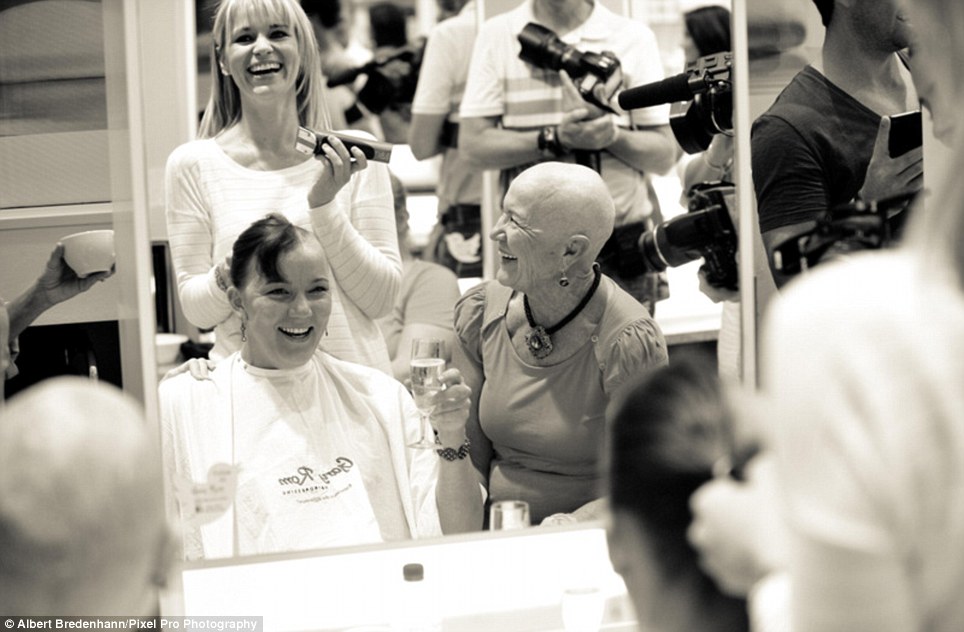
(526, 97)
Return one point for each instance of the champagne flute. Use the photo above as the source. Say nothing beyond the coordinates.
(427, 364)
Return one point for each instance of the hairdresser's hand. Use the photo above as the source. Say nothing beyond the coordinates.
(451, 409)
(338, 170)
(737, 530)
(886, 176)
(223, 274)
(58, 281)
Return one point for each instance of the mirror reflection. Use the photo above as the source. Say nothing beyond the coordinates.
(576, 300)
(837, 134)
(585, 248)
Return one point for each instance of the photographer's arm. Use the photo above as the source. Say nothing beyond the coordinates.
(425, 134)
(492, 147)
(650, 149)
(56, 284)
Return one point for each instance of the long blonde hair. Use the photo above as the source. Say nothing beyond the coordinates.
(224, 107)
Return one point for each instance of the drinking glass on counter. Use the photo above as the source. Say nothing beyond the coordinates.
(427, 364)
(509, 514)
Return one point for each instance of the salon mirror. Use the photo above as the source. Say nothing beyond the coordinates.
(664, 17)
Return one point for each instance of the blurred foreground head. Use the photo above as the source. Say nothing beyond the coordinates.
(82, 524)
(666, 434)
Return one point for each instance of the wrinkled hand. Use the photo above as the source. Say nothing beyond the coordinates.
(338, 168)
(58, 282)
(451, 408)
(886, 176)
(558, 519)
(737, 530)
(199, 368)
(595, 509)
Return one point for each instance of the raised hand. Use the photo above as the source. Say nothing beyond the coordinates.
(58, 282)
(338, 170)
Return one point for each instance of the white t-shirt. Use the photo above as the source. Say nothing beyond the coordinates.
(441, 84)
(320, 452)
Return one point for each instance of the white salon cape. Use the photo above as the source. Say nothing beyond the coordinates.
(320, 450)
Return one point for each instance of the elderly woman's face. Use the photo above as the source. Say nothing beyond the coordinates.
(285, 318)
(527, 245)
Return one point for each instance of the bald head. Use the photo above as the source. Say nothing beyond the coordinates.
(82, 527)
(573, 198)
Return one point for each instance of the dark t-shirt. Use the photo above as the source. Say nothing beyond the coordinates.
(811, 149)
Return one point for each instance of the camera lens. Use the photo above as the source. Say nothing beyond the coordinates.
(650, 251)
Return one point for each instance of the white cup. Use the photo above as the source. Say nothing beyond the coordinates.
(582, 609)
(89, 252)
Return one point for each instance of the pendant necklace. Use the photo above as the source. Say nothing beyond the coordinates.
(539, 339)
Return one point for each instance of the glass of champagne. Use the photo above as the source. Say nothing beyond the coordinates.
(427, 364)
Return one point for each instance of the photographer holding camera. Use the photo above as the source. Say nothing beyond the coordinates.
(824, 141)
(516, 113)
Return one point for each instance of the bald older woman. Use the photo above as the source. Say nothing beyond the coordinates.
(546, 344)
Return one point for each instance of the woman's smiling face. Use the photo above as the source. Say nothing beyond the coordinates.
(286, 317)
(529, 246)
(261, 54)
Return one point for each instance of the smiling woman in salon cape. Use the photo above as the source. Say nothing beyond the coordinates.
(310, 449)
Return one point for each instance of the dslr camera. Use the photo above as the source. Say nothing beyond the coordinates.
(843, 229)
(702, 99)
(391, 78)
(705, 230)
(543, 48)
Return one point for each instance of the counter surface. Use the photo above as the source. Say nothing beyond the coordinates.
(506, 581)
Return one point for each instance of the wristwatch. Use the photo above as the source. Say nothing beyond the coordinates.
(549, 143)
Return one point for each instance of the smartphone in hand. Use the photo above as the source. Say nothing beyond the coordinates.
(906, 133)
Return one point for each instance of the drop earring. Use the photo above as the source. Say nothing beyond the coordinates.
(244, 338)
(564, 280)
